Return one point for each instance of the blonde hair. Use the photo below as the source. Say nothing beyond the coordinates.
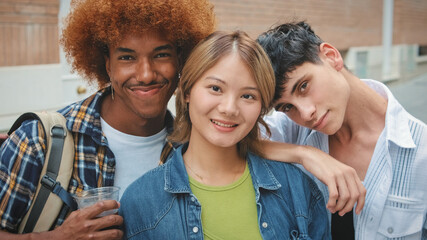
(204, 56)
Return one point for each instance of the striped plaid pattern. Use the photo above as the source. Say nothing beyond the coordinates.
(22, 157)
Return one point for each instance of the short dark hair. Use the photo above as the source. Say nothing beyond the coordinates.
(289, 45)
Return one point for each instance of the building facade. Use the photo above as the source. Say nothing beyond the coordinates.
(379, 39)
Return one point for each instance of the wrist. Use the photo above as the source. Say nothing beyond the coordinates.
(305, 153)
(49, 235)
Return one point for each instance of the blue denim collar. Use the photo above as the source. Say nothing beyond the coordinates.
(176, 177)
(262, 176)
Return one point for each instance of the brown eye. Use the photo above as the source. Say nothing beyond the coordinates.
(248, 96)
(287, 107)
(126, 57)
(303, 86)
(215, 88)
(162, 55)
(284, 107)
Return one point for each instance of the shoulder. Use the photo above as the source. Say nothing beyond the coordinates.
(25, 146)
(293, 178)
(21, 161)
(89, 104)
(276, 119)
(146, 188)
(290, 188)
(277, 168)
(84, 116)
(418, 154)
(145, 202)
(283, 129)
(418, 127)
(28, 134)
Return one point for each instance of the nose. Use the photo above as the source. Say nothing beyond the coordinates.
(145, 71)
(307, 111)
(228, 106)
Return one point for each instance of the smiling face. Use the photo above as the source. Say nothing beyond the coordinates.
(316, 97)
(224, 104)
(143, 72)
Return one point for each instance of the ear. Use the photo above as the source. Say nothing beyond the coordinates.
(331, 55)
(107, 64)
(187, 98)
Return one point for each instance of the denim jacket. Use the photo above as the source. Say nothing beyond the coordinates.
(160, 204)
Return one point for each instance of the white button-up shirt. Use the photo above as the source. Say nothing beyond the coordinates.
(396, 179)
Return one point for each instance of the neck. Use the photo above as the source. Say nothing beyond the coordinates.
(127, 121)
(365, 114)
(213, 165)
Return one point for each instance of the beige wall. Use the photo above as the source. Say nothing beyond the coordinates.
(344, 23)
(410, 19)
(28, 32)
(29, 28)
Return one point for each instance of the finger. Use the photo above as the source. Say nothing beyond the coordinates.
(100, 207)
(333, 196)
(111, 234)
(113, 221)
(343, 193)
(353, 188)
(110, 221)
(362, 196)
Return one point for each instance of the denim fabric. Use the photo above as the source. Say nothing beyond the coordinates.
(160, 204)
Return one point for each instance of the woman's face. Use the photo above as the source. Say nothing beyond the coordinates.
(224, 104)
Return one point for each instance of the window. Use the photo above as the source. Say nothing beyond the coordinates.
(422, 50)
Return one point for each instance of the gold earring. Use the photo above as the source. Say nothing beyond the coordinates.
(112, 92)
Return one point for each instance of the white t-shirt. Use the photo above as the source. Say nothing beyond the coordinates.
(134, 155)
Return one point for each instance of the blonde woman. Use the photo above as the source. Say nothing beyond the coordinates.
(217, 185)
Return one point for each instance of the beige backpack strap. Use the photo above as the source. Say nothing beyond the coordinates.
(55, 175)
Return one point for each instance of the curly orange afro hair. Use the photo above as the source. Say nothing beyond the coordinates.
(93, 25)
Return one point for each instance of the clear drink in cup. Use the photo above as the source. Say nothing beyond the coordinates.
(90, 197)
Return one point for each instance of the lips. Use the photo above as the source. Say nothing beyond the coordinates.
(147, 90)
(222, 124)
(320, 121)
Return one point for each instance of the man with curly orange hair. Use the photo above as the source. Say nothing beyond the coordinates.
(134, 51)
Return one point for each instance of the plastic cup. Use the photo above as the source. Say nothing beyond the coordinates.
(89, 197)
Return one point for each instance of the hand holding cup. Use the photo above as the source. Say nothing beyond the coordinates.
(90, 197)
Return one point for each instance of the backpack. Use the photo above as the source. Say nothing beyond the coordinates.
(55, 175)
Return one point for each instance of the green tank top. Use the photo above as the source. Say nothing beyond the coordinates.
(228, 212)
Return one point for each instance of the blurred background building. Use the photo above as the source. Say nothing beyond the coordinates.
(379, 39)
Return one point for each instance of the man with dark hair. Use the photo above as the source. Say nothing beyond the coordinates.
(358, 122)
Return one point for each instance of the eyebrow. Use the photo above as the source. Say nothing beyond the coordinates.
(294, 87)
(223, 82)
(159, 48)
(123, 49)
(163, 47)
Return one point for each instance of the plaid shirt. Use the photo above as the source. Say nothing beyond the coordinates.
(23, 153)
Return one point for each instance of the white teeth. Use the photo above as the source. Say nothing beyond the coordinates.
(222, 124)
